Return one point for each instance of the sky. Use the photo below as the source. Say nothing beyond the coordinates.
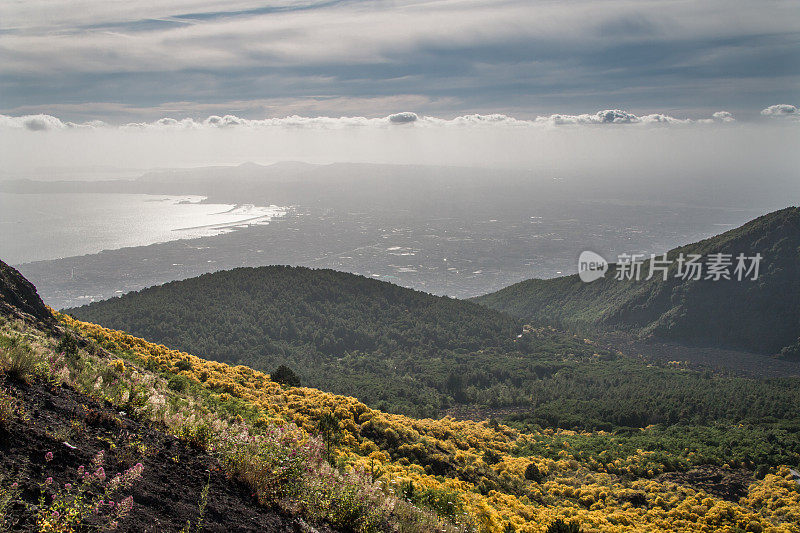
(600, 87)
(122, 61)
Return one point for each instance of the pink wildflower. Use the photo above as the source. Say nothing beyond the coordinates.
(125, 506)
(48, 456)
(48, 481)
(98, 459)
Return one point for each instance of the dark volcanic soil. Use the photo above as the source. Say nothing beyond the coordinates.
(174, 473)
(726, 483)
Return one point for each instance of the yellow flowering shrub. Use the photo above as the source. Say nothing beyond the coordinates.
(475, 462)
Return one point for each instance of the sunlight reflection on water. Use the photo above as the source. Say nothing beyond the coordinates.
(35, 227)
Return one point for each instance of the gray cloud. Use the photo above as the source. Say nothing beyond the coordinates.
(615, 116)
(405, 117)
(781, 110)
(43, 122)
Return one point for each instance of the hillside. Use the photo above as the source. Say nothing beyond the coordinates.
(72, 413)
(493, 478)
(394, 348)
(323, 313)
(411, 353)
(18, 297)
(761, 316)
(393, 473)
(164, 496)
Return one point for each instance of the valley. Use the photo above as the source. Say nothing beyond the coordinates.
(440, 230)
(551, 431)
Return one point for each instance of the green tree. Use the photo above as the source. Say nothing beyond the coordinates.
(330, 432)
(532, 473)
(286, 376)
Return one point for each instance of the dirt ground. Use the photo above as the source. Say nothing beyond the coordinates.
(727, 483)
(169, 491)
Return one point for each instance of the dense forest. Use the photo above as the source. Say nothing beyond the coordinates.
(273, 311)
(402, 349)
(761, 315)
(408, 352)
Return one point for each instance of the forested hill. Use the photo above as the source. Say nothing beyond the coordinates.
(322, 312)
(761, 316)
(396, 348)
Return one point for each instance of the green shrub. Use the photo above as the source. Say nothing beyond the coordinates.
(199, 434)
(407, 490)
(18, 361)
(349, 502)
(559, 526)
(8, 495)
(178, 383)
(272, 463)
(68, 345)
(7, 408)
(532, 473)
(490, 457)
(444, 502)
(285, 376)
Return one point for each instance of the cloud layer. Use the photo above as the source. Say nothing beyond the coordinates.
(645, 152)
(43, 122)
(81, 59)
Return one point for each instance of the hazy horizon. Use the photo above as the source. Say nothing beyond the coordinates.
(452, 127)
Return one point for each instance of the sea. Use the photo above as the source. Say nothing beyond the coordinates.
(36, 227)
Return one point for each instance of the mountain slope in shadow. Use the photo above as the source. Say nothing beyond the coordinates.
(761, 315)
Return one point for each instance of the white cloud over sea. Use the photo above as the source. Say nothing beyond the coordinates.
(44, 122)
(608, 142)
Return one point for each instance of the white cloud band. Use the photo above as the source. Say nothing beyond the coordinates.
(43, 122)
